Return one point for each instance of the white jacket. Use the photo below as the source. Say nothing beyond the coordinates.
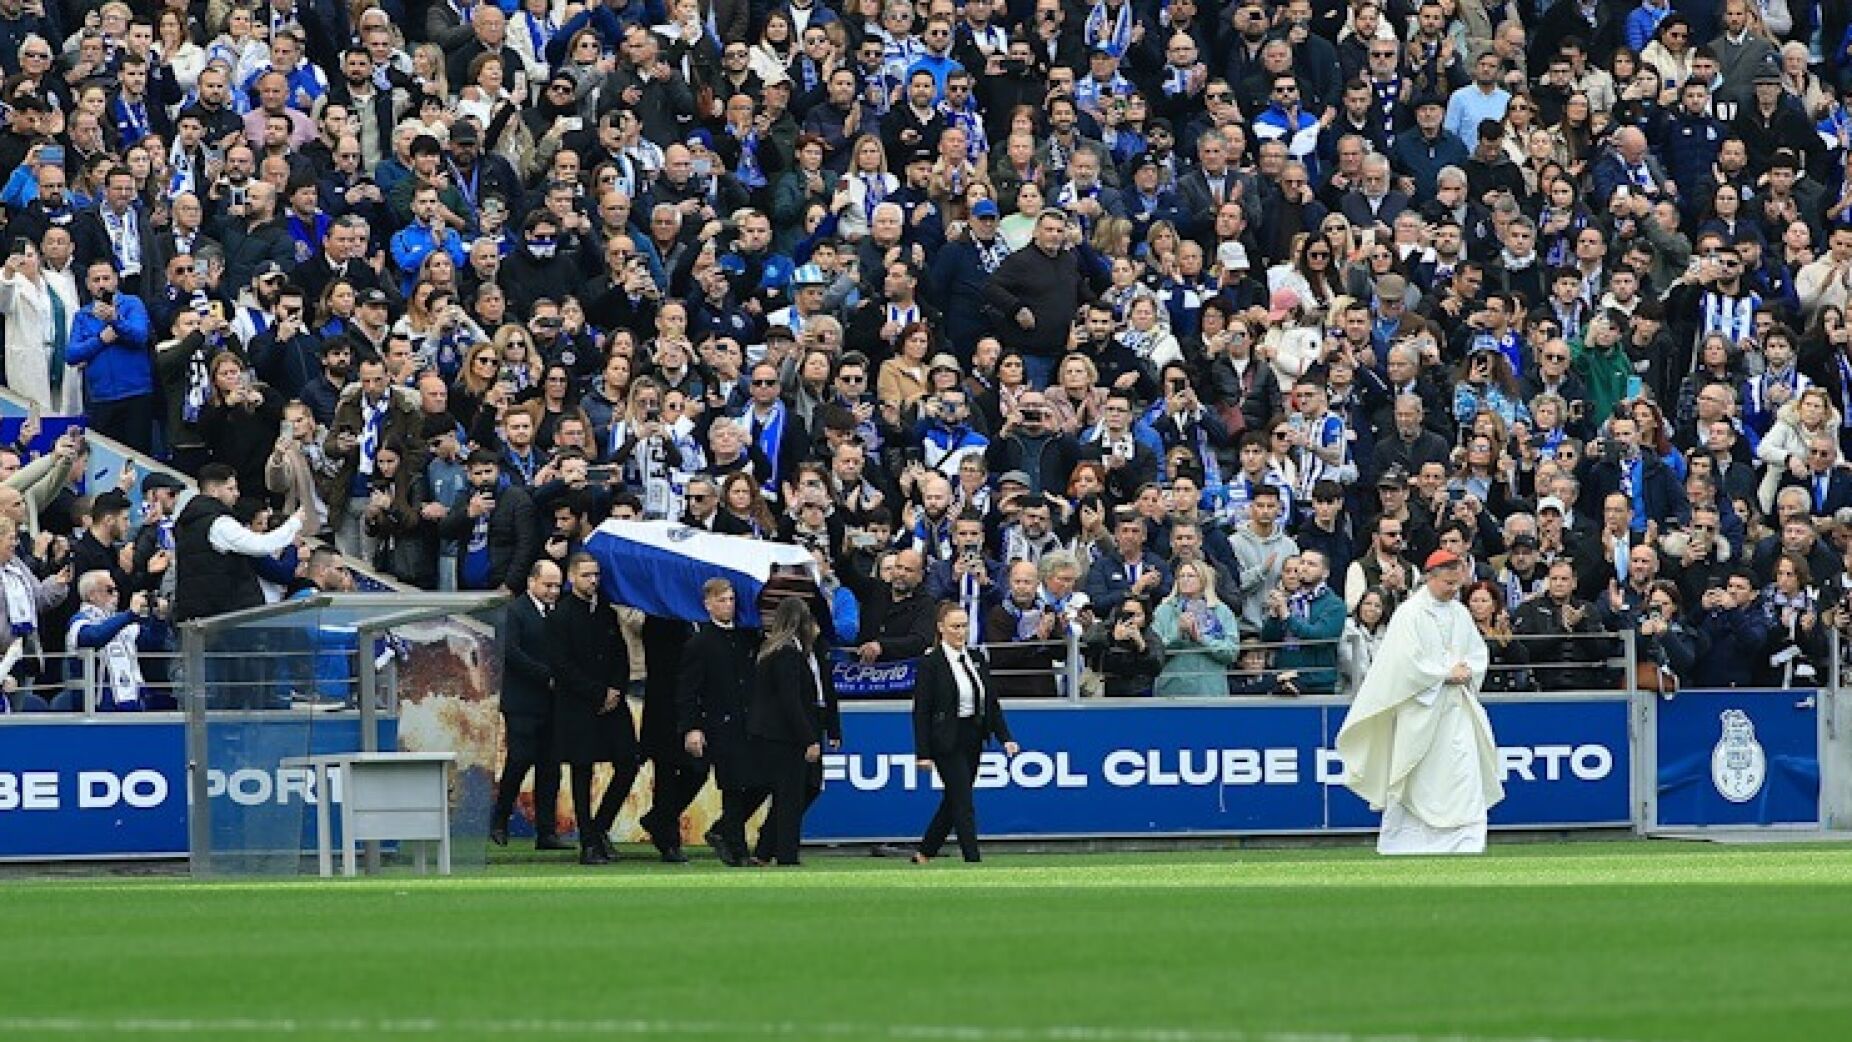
(28, 311)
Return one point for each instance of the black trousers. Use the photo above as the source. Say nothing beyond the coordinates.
(678, 781)
(530, 747)
(737, 806)
(787, 779)
(599, 823)
(127, 420)
(958, 775)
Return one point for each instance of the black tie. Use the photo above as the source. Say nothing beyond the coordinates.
(977, 687)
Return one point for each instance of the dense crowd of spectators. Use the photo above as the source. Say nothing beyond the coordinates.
(1182, 328)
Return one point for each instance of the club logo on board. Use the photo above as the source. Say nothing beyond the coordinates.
(1738, 766)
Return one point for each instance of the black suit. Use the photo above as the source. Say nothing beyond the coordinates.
(527, 714)
(712, 697)
(781, 724)
(678, 777)
(590, 660)
(954, 743)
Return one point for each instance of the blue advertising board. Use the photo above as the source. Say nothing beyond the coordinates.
(1738, 758)
(1130, 769)
(117, 787)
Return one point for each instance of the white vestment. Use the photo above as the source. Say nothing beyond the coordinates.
(1416, 747)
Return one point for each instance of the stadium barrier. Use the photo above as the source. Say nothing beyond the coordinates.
(110, 785)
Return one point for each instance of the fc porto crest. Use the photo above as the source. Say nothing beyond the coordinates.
(683, 533)
(1738, 765)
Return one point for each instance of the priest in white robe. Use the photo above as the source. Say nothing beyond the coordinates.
(1416, 744)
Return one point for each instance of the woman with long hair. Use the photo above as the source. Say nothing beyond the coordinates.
(1671, 50)
(1508, 667)
(175, 48)
(239, 420)
(742, 508)
(1575, 134)
(1784, 448)
(902, 380)
(955, 711)
(1797, 639)
(643, 448)
(395, 500)
(1312, 274)
(864, 186)
(785, 724)
(1363, 635)
(482, 364)
(1484, 381)
(1200, 634)
(1716, 363)
(334, 309)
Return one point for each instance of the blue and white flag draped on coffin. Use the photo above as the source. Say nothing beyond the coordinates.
(658, 567)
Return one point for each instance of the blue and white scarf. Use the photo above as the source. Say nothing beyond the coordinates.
(769, 435)
(1110, 29)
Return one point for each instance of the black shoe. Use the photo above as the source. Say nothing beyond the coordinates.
(593, 854)
(724, 848)
(605, 844)
(498, 835)
(661, 833)
(551, 843)
(673, 856)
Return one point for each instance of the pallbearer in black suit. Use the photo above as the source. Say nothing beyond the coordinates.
(955, 711)
(712, 697)
(781, 726)
(590, 670)
(527, 709)
(678, 776)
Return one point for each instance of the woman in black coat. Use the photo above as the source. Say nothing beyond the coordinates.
(591, 718)
(955, 711)
(781, 726)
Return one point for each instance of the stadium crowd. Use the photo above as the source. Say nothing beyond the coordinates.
(1180, 327)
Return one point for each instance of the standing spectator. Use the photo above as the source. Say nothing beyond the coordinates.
(1557, 626)
(369, 417)
(1309, 622)
(23, 596)
(494, 520)
(38, 336)
(1262, 548)
(109, 341)
(1738, 628)
(1125, 651)
(1037, 291)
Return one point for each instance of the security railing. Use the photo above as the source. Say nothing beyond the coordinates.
(1298, 667)
(315, 679)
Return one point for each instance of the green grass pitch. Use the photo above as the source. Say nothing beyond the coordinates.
(1648, 942)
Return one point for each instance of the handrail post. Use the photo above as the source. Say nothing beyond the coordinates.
(1072, 666)
(1630, 641)
(89, 681)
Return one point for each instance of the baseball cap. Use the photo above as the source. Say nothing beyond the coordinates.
(1395, 476)
(1281, 304)
(1013, 477)
(1551, 503)
(985, 208)
(1233, 255)
(1524, 542)
(374, 297)
(269, 269)
(809, 275)
(464, 132)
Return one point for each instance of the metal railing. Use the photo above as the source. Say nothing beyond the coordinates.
(1071, 671)
(77, 683)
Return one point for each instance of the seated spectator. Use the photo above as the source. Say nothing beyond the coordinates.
(1024, 637)
(1507, 668)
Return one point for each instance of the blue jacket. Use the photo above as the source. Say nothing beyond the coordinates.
(413, 243)
(1739, 644)
(119, 370)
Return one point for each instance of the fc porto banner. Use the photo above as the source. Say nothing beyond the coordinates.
(857, 679)
(1131, 769)
(71, 788)
(658, 567)
(1735, 758)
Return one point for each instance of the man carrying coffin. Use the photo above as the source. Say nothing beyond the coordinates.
(1416, 744)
